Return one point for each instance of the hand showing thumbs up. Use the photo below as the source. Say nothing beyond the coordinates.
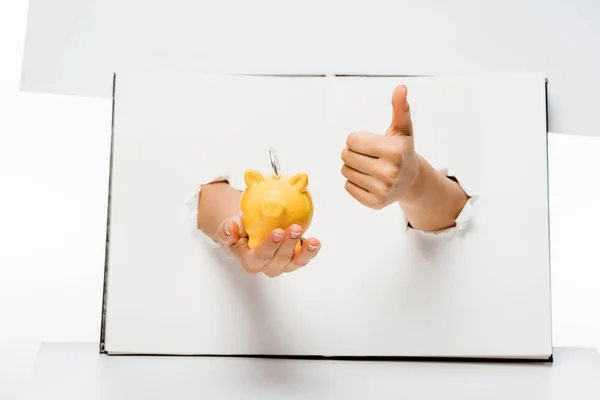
(381, 170)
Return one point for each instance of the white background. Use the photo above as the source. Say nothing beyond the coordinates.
(74, 45)
(53, 183)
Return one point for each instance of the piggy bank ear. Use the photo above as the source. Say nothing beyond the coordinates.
(253, 177)
(299, 182)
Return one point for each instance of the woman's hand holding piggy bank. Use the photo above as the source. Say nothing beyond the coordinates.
(267, 204)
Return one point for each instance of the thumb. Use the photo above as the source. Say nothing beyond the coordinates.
(231, 231)
(231, 234)
(401, 122)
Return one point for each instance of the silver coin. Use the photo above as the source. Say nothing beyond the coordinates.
(275, 163)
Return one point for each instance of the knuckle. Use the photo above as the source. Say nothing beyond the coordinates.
(263, 256)
(378, 204)
(247, 267)
(344, 170)
(282, 259)
(251, 264)
(395, 151)
(345, 154)
(270, 274)
(351, 139)
(381, 192)
(389, 173)
(237, 245)
(384, 179)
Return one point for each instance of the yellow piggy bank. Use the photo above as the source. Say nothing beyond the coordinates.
(269, 203)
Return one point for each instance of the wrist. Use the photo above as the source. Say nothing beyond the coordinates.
(434, 202)
(423, 178)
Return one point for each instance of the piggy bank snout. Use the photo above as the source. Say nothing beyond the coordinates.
(272, 208)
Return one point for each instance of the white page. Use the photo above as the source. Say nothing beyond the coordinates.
(574, 223)
(483, 294)
(74, 46)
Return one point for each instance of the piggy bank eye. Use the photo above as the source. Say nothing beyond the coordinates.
(299, 182)
(253, 177)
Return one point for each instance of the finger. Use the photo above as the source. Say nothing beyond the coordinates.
(367, 143)
(307, 252)
(234, 237)
(365, 164)
(285, 252)
(228, 232)
(262, 254)
(364, 181)
(362, 196)
(401, 121)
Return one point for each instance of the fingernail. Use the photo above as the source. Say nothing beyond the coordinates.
(295, 235)
(226, 229)
(277, 237)
(312, 247)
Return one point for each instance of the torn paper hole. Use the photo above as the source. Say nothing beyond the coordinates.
(462, 221)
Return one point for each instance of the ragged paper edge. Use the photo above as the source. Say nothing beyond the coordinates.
(462, 221)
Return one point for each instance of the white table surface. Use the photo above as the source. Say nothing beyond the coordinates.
(76, 371)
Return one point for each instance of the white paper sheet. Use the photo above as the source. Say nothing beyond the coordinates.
(574, 166)
(374, 289)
